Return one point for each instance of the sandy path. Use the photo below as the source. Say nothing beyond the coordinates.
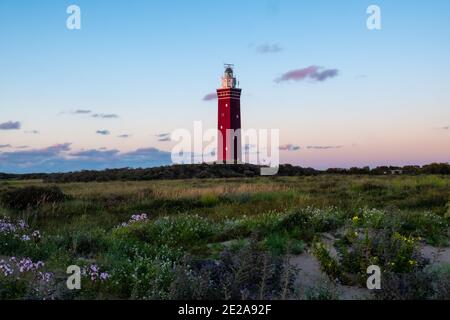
(310, 275)
(435, 254)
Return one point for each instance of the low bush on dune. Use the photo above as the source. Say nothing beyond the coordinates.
(16, 238)
(428, 283)
(250, 273)
(31, 197)
(181, 230)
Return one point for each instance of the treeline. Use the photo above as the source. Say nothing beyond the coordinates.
(434, 168)
(199, 171)
(204, 171)
(28, 176)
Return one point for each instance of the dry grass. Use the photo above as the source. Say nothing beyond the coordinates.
(177, 189)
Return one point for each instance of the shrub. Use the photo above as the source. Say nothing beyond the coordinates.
(140, 270)
(321, 292)
(428, 225)
(85, 242)
(328, 264)
(283, 243)
(432, 282)
(181, 230)
(23, 278)
(263, 224)
(440, 276)
(405, 286)
(250, 273)
(313, 220)
(209, 200)
(373, 218)
(31, 197)
(391, 251)
(17, 239)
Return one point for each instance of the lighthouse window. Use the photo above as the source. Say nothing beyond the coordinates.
(226, 105)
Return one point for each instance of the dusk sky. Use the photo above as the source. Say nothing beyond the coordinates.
(109, 94)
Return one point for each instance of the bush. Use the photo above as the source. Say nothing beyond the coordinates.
(393, 252)
(263, 224)
(141, 270)
(405, 286)
(181, 230)
(373, 218)
(324, 291)
(209, 200)
(432, 282)
(16, 239)
(313, 220)
(81, 242)
(428, 225)
(282, 243)
(248, 274)
(24, 279)
(328, 264)
(31, 197)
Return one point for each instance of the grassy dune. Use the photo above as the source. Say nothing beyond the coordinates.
(230, 238)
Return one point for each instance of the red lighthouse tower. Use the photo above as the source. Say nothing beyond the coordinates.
(229, 119)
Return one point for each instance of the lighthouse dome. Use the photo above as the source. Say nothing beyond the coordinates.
(229, 72)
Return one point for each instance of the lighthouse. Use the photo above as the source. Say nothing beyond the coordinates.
(229, 149)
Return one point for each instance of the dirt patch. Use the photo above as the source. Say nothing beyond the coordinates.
(435, 254)
(310, 276)
(309, 271)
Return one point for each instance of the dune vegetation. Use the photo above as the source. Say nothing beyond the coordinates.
(236, 238)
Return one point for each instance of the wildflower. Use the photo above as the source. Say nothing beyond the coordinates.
(6, 226)
(94, 273)
(46, 276)
(135, 218)
(36, 235)
(355, 219)
(5, 268)
(94, 268)
(104, 276)
(138, 217)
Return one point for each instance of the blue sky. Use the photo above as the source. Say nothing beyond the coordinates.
(143, 67)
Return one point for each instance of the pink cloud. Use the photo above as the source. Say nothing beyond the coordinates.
(312, 72)
(210, 96)
(289, 147)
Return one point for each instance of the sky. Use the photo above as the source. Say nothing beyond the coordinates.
(110, 93)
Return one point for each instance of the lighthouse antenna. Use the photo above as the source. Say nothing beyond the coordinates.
(228, 65)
